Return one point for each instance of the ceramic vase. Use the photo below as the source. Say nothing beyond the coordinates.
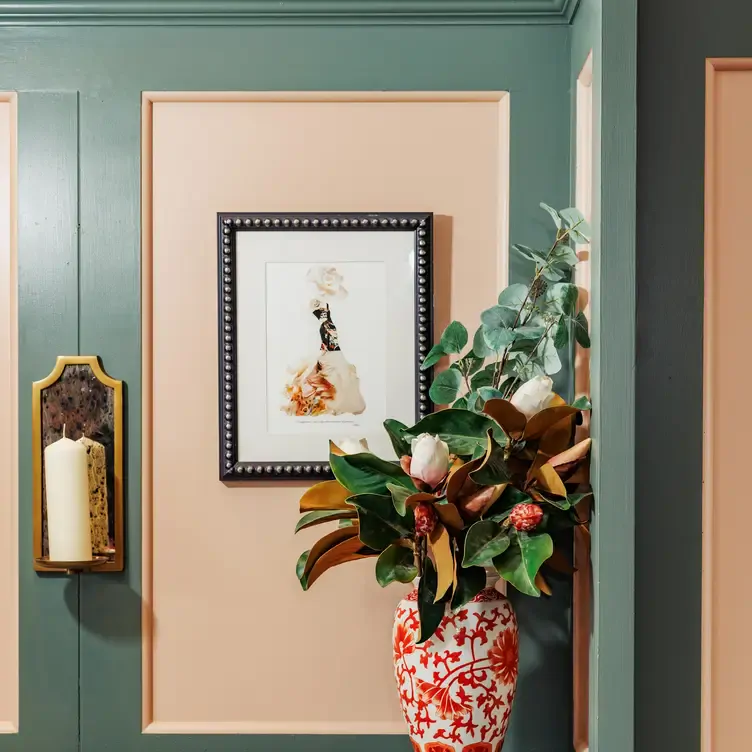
(457, 688)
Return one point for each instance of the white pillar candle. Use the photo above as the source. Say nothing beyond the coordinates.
(67, 488)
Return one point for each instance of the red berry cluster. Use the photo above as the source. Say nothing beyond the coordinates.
(526, 516)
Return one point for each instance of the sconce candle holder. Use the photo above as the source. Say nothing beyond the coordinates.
(79, 401)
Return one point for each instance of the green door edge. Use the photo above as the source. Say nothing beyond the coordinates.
(613, 698)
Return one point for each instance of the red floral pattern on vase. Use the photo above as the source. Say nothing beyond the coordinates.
(456, 689)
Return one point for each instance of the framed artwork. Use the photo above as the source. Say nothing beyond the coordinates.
(324, 320)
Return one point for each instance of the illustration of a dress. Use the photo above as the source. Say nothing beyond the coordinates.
(327, 384)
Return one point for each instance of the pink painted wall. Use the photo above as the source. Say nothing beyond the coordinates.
(8, 425)
(727, 659)
(231, 642)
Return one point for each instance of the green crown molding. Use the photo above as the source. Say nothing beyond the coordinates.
(233, 12)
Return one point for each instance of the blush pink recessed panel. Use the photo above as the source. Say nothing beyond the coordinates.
(232, 644)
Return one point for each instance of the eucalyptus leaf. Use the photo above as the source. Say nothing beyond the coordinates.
(582, 403)
(497, 338)
(396, 564)
(480, 348)
(484, 377)
(549, 357)
(468, 364)
(430, 613)
(532, 333)
(485, 540)
(380, 525)
(572, 216)
(554, 214)
(498, 317)
(454, 338)
(460, 404)
(552, 274)
(488, 392)
(366, 473)
(396, 431)
(561, 335)
(513, 296)
(581, 333)
(539, 257)
(445, 387)
(470, 582)
(563, 254)
(520, 563)
(435, 354)
(563, 297)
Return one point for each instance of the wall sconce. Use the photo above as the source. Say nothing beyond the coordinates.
(77, 441)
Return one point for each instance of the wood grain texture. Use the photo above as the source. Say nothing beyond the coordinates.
(48, 324)
(233, 12)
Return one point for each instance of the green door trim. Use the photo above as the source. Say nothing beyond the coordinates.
(233, 12)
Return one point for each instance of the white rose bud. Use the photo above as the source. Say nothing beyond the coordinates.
(534, 395)
(351, 446)
(430, 459)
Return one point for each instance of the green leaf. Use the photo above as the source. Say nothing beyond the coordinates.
(554, 214)
(549, 356)
(480, 348)
(494, 470)
(582, 403)
(396, 430)
(366, 473)
(469, 364)
(484, 377)
(504, 505)
(485, 541)
(300, 569)
(462, 430)
(396, 564)
(561, 337)
(497, 338)
(471, 400)
(435, 354)
(563, 297)
(454, 338)
(563, 254)
(470, 582)
(431, 613)
(498, 317)
(321, 516)
(445, 387)
(380, 525)
(580, 229)
(552, 274)
(513, 296)
(530, 333)
(346, 523)
(400, 494)
(571, 216)
(539, 257)
(460, 404)
(581, 333)
(520, 563)
(488, 392)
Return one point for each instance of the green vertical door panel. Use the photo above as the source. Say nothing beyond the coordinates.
(48, 326)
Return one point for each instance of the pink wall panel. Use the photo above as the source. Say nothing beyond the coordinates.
(8, 425)
(231, 642)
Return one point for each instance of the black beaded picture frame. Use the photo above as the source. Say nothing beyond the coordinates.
(231, 227)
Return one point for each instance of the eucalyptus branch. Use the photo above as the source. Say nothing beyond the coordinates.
(507, 392)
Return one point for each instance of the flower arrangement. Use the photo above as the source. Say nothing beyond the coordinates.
(490, 482)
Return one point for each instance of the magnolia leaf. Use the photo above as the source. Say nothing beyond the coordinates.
(507, 416)
(396, 564)
(561, 336)
(573, 454)
(554, 214)
(485, 541)
(513, 296)
(441, 548)
(400, 494)
(450, 516)
(509, 499)
(327, 495)
(348, 522)
(493, 469)
(582, 403)
(581, 332)
(445, 387)
(458, 479)
(435, 354)
(559, 562)
(365, 473)
(462, 430)
(519, 564)
(575, 499)
(323, 515)
(540, 498)
(470, 582)
(347, 550)
(480, 348)
(300, 569)
(542, 421)
(454, 338)
(421, 498)
(542, 585)
(330, 540)
(380, 525)
(550, 481)
(431, 613)
(476, 503)
(396, 431)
